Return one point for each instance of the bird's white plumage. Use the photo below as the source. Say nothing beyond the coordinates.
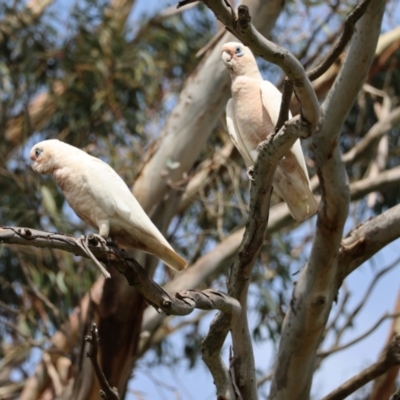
(251, 116)
(101, 198)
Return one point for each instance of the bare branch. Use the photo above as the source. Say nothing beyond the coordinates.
(107, 391)
(372, 136)
(365, 334)
(314, 292)
(349, 318)
(285, 104)
(389, 358)
(338, 47)
(365, 240)
(271, 152)
(182, 304)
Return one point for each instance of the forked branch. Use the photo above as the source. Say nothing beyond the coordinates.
(106, 392)
(181, 304)
(388, 359)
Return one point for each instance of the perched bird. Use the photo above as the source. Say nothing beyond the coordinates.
(101, 198)
(251, 115)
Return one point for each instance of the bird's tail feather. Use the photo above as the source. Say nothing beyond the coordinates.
(152, 245)
(172, 259)
(294, 189)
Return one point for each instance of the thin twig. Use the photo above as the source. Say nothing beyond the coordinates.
(284, 112)
(389, 358)
(338, 47)
(335, 349)
(106, 392)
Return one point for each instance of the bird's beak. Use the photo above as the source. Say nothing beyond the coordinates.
(226, 57)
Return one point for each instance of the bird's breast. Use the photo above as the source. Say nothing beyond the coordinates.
(252, 119)
(78, 196)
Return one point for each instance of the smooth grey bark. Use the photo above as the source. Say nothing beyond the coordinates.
(315, 289)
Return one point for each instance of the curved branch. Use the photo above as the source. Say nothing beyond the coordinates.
(372, 136)
(271, 152)
(365, 240)
(241, 27)
(338, 47)
(389, 358)
(315, 290)
(107, 391)
(182, 304)
(341, 347)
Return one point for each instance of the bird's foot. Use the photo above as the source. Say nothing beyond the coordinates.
(250, 173)
(95, 239)
(83, 243)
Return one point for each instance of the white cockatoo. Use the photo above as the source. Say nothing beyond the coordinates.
(101, 198)
(251, 115)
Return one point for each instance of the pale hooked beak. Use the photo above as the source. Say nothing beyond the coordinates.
(226, 57)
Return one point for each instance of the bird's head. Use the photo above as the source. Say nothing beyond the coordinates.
(42, 154)
(239, 59)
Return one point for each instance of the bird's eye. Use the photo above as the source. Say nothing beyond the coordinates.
(239, 51)
(38, 152)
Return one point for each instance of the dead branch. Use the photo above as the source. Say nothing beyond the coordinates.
(334, 53)
(182, 304)
(338, 47)
(389, 358)
(372, 136)
(335, 349)
(106, 392)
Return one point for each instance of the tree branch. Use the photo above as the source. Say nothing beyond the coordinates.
(382, 181)
(107, 391)
(271, 152)
(182, 304)
(365, 240)
(372, 136)
(193, 119)
(315, 290)
(389, 358)
(338, 47)
(241, 27)
(335, 349)
(285, 104)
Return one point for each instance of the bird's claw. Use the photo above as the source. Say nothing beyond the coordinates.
(83, 243)
(96, 239)
(250, 173)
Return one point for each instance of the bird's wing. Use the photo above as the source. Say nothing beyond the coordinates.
(112, 195)
(234, 134)
(271, 98)
(292, 185)
(291, 178)
(106, 187)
